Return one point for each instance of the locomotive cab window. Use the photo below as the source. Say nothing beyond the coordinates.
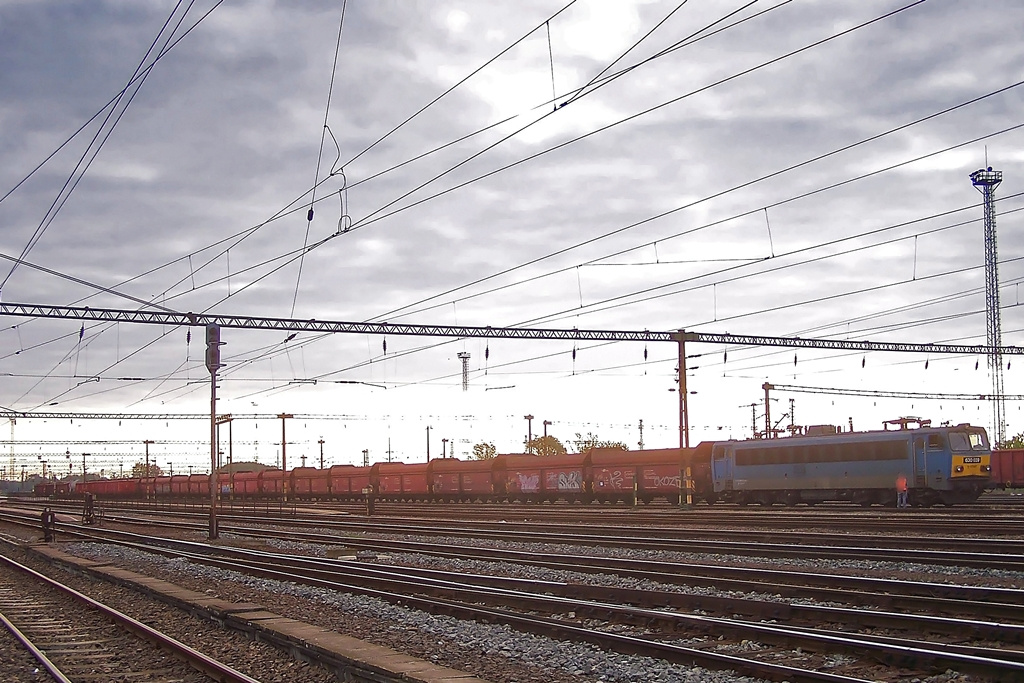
(978, 441)
(958, 441)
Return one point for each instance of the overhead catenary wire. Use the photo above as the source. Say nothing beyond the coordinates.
(373, 216)
(109, 103)
(616, 301)
(611, 233)
(102, 134)
(582, 90)
(228, 248)
(685, 42)
(1004, 198)
(236, 239)
(320, 153)
(460, 82)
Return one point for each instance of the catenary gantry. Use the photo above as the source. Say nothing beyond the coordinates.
(680, 337)
(399, 329)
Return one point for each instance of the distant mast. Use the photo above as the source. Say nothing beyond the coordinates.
(986, 180)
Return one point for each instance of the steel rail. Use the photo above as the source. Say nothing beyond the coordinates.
(548, 627)
(993, 602)
(965, 657)
(193, 657)
(1010, 555)
(1002, 553)
(384, 583)
(38, 654)
(702, 574)
(1001, 631)
(664, 523)
(697, 519)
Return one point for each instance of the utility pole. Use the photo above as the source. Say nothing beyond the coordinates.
(529, 432)
(546, 423)
(10, 461)
(146, 443)
(753, 418)
(464, 357)
(986, 181)
(428, 443)
(321, 442)
(684, 410)
(444, 447)
(366, 457)
(641, 443)
(83, 465)
(284, 461)
(767, 411)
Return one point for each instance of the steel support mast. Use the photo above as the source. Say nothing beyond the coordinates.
(986, 180)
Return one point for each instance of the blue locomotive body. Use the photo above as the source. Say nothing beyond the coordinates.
(947, 465)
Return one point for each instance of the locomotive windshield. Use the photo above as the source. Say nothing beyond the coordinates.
(968, 441)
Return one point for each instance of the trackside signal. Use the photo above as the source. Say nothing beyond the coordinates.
(213, 344)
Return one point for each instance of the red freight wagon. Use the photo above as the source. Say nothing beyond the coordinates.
(659, 474)
(199, 485)
(223, 484)
(531, 477)
(348, 481)
(612, 474)
(309, 482)
(247, 484)
(401, 481)
(463, 480)
(179, 485)
(1008, 468)
(161, 486)
(272, 483)
(120, 488)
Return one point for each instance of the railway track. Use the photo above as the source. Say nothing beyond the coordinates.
(572, 611)
(702, 521)
(988, 654)
(98, 643)
(987, 553)
(976, 627)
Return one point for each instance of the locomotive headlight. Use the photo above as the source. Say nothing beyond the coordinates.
(986, 468)
(959, 468)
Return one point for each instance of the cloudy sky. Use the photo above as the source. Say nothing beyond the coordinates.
(771, 168)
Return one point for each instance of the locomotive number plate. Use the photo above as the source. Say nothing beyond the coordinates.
(972, 459)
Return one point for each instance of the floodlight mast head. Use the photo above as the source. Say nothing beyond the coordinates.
(986, 178)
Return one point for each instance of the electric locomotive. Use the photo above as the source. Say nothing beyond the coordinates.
(942, 465)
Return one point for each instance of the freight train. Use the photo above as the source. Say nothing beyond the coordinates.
(1008, 468)
(942, 465)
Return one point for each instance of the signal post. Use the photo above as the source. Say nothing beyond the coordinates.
(213, 344)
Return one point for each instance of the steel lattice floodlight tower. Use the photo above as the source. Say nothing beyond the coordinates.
(464, 357)
(986, 180)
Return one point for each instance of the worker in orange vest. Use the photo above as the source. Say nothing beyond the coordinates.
(901, 491)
